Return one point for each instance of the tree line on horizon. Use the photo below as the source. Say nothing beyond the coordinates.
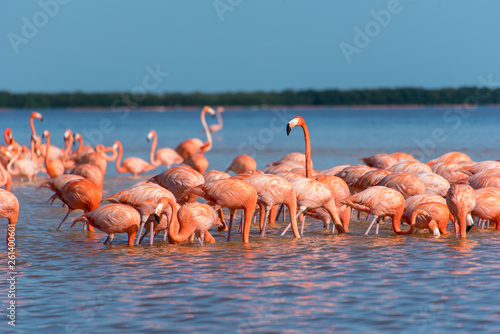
(383, 96)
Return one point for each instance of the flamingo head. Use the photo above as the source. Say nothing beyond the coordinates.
(158, 211)
(220, 109)
(150, 135)
(45, 134)
(35, 114)
(67, 134)
(293, 123)
(209, 110)
(116, 145)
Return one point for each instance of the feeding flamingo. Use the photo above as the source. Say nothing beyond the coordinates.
(242, 163)
(192, 218)
(112, 219)
(461, 200)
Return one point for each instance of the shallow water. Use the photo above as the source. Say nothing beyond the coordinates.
(69, 282)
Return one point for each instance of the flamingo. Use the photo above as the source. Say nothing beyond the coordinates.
(340, 190)
(54, 168)
(112, 219)
(488, 205)
(57, 183)
(213, 175)
(193, 145)
(381, 160)
(133, 165)
(90, 172)
(6, 178)
(407, 184)
(412, 167)
(163, 156)
(412, 202)
(232, 194)
(312, 194)
(197, 161)
(450, 157)
(217, 127)
(192, 218)
(34, 115)
(461, 201)
(98, 157)
(434, 183)
(369, 179)
(294, 158)
(242, 163)
(24, 167)
(487, 172)
(402, 156)
(9, 208)
(477, 167)
(433, 216)
(486, 181)
(143, 197)
(273, 190)
(379, 202)
(451, 171)
(80, 194)
(352, 173)
(178, 180)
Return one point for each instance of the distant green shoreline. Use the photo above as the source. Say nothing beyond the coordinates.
(331, 97)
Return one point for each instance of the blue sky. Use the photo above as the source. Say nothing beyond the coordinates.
(233, 45)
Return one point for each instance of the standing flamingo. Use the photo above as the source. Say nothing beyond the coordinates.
(242, 163)
(132, 165)
(217, 127)
(26, 167)
(111, 219)
(163, 156)
(312, 194)
(54, 168)
(34, 115)
(379, 202)
(6, 178)
(193, 145)
(461, 200)
(9, 208)
(192, 218)
(232, 194)
(80, 194)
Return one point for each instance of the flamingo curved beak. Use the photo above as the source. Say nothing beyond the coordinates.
(288, 129)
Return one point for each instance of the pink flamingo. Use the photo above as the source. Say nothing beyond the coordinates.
(192, 218)
(407, 184)
(213, 175)
(242, 163)
(379, 202)
(9, 209)
(193, 145)
(369, 179)
(451, 157)
(80, 194)
(488, 205)
(232, 194)
(143, 197)
(433, 216)
(381, 160)
(333, 171)
(461, 200)
(312, 194)
(133, 165)
(217, 127)
(112, 219)
(412, 167)
(178, 180)
(54, 168)
(294, 158)
(434, 183)
(163, 156)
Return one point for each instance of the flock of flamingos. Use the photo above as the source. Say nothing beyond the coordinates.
(389, 186)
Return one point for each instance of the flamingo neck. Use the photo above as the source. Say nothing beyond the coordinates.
(174, 229)
(32, 125)
(14, 159)
(80, 145)
(6, 137)
(207, 132)
(119, 167)
(69, 143)
(219, 119)
(308, 151)
(47, 147)
(6, 179)
(152, 152)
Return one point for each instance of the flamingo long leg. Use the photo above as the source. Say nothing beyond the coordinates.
(263, 232)
(370, 227)
(62, 222)
(231, 216)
